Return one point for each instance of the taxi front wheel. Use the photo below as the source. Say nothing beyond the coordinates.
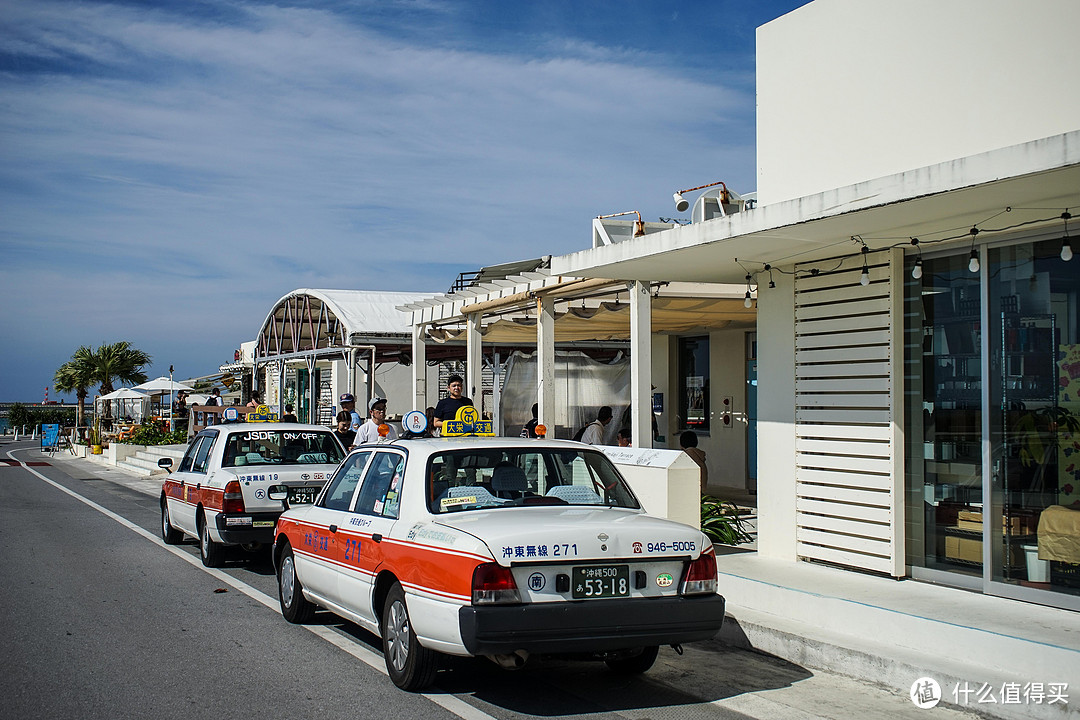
(294, 606)
(212, 553)
(411, 666)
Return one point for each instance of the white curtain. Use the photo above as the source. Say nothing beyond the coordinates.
(582, 387)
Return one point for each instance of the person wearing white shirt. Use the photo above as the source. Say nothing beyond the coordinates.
(594, 431)
(369, 431)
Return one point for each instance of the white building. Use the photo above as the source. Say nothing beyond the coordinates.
(915, 407)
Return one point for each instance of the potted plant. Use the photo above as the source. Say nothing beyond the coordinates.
(93, 437)
(1039, 433)
(722, 522)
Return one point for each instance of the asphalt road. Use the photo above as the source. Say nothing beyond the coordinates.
(102, 620)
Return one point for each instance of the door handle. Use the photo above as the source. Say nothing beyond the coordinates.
(333, 528)
(377, 537)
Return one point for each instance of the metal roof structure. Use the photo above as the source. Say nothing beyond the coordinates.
(308, 321)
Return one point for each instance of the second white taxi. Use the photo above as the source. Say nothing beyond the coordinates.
(495, 547)
(218, 493)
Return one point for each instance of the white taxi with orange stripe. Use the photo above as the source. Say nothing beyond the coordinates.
(219, 492)
(495, 547)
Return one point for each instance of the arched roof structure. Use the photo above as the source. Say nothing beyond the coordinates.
(308, 320)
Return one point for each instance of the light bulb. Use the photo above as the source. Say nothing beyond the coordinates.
(973, 264)
(747, 302)
(864, 279)
(1066, 249)
(916, 272)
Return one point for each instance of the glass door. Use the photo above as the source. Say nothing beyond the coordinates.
(1034, 411)
(945, 419)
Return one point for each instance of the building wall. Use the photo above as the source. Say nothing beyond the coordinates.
(776, 420)
(850, 90)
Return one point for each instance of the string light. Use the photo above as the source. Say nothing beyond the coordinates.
(864, 278)
(1066, 246)
(747, 301)
(974, 263)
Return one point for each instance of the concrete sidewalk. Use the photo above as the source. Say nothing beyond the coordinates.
(987, 654)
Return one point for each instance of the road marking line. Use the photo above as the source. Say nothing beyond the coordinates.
(451, 703)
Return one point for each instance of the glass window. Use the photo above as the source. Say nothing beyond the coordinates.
(498, 478)
(381, 492)
(201, 455)
(693, 382)
(189, 456)
(282, 447)
(339, 490)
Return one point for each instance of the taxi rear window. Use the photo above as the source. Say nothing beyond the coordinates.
(483, 478)
(281, 447)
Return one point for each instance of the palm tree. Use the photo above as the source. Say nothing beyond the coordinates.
(119, 362)
(110, 363)
(77, 376)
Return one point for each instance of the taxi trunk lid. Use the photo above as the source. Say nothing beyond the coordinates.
(552, 534)
(255, 482)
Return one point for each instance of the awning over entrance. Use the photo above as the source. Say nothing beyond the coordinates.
(997, 189)
(611, 321)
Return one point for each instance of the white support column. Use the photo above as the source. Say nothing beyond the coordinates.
(419, 368)
(641, 365)
(496, 392)
(545, 362)
(474, 367)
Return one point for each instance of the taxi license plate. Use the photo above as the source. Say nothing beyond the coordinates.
(303, 495)
(600, 581)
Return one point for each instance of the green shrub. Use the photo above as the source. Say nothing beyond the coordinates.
(722, 522)
(153, 432)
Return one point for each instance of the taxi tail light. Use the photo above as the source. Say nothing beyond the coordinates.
(700, 577)
(233, 501)
(493, 584)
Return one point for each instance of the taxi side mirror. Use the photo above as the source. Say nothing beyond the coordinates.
(165, 463)
(277, 492)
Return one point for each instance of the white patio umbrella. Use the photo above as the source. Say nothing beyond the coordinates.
(161, 385)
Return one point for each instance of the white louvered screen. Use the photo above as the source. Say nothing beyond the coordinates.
(848, 405)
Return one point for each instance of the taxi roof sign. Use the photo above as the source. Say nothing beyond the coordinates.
(262, 414)
(467, 422)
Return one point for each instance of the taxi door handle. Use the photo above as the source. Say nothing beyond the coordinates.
(333, 528)
(377, 537)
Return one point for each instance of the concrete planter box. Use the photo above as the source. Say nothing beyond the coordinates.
(118, 452)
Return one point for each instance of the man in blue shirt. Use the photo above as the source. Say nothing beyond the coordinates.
(348, 404)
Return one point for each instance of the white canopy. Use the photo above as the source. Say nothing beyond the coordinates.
(125, 394)
(161, 385)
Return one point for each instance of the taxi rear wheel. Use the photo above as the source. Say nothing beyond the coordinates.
(212, 553)
(411, 666)
(634, 664)
(169, 534)
(294, 606)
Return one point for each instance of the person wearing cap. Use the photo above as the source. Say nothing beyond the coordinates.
(348, 404)
(369, 431)
(447, 408)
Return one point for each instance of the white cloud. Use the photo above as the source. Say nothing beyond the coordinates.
(204, 155)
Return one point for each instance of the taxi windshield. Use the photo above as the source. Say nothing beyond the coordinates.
(482, 478)
(281, 447)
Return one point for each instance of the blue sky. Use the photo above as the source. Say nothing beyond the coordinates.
(169, 170)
